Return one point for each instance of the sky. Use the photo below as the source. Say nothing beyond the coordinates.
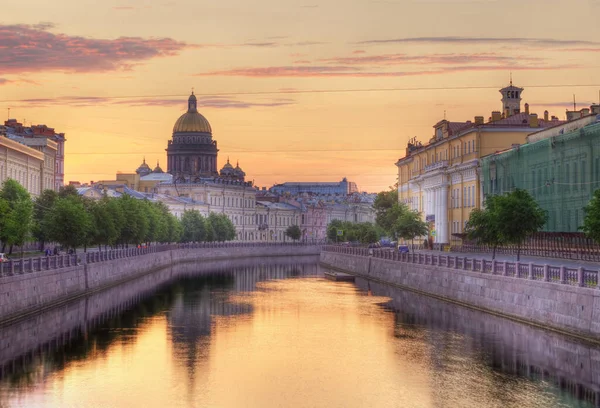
(301, 90)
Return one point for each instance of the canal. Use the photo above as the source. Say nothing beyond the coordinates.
(277, 334)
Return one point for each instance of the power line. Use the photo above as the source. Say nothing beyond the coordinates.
(310, 91)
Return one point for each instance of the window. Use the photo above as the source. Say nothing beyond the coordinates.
(567, 177)
(463, 204)
(583, 186)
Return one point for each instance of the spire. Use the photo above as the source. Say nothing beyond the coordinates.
(192, 103)
(510, 79)
(144, 161)
(227, 159)
(157, 163)
(238, 163)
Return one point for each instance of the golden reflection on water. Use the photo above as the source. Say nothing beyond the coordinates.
(291, 343)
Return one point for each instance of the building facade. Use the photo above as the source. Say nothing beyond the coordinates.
(441, 180)
(343, 187)
(23, 164)
(560, 168)
(35, 136)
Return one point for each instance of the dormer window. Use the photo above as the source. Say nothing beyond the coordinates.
(438, 133)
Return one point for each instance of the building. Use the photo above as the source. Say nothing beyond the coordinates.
(23, 164)
(559, 166)
(440, 179)
(343, 187)
(27, 135)
(192, 152)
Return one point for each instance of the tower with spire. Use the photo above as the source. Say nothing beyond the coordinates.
(511, 99)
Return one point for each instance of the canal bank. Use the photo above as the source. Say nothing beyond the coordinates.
(564, 308)
(25, 294)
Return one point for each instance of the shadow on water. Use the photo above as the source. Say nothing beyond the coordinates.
(509, 348)
(33, 348)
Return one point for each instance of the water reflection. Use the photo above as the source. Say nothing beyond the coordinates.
(245, 334)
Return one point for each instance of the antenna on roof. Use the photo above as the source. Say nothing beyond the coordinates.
(574, 103)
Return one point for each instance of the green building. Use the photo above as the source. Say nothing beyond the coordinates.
(559, 166)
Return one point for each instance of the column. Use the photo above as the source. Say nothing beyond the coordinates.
(443, 233)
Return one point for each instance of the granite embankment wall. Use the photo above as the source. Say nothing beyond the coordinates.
(24, 294)
(569, 309)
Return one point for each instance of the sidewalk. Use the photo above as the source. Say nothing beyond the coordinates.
(570, 263)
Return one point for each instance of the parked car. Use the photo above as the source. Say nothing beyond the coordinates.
(403, 249)
(3, 258)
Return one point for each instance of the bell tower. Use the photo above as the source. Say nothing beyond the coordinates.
(511, 99)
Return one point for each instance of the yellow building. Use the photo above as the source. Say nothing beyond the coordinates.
(440, 179)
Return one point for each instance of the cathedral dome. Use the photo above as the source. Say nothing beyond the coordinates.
(143, 169)
(192, 121)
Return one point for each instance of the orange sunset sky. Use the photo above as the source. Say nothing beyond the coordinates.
(115, 75)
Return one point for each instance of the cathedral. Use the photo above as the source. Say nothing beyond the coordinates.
(192, 152)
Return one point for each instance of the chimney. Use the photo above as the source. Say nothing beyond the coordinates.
(546, 115)
(496, 115)
(527, 108)
(478, 120)
(533, 120)
(595, 109)
(554, 118)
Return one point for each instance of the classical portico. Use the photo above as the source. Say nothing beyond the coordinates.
(435, 185)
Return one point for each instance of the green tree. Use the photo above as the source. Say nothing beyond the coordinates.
(68, 222)
(483, 225)
(68, 191)
(408, 224)
(174, 228)
(386, 210)
(193, 226)
(366, 233)
(516, 216)
(293, 232)
(135, 229)
(223, 228)
(591, 222)
(42, 205)
(15, 227)
(104, 223)
(332, 231)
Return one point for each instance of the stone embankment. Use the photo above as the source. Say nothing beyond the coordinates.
(558, 298)
(26, 287)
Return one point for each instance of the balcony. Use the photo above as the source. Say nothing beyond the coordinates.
(438, 165)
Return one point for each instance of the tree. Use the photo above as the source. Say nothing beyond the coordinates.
(386, 209)
(68, 222)
(408, 224)
(42, 205)
(193, 226)
(174, 229)
(482, 226)
(223, 228)
(104, 222)
(293, 232)
(332, 230)
(591, 222)
(519, 216)
(135, 228)
(15, 226)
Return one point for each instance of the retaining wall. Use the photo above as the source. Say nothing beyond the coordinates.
(24, 294)
(569, 309)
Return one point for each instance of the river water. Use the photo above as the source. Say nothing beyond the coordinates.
(280, 335)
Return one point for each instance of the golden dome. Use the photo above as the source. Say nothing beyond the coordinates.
(192, 120)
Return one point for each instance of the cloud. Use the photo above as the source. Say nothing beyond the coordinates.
(359, 52)
(217, 102)
(359, 72)
(4, 81)
(446, 59)
(544, 42)
(32, 48)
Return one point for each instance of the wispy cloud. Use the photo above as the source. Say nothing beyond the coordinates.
(4, 81)
(445, 59)
(359, 72)
(545, 42)
(33, 48)
(217, 102)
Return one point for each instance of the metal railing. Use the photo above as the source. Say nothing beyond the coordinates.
(525, 270)
(28, 265)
